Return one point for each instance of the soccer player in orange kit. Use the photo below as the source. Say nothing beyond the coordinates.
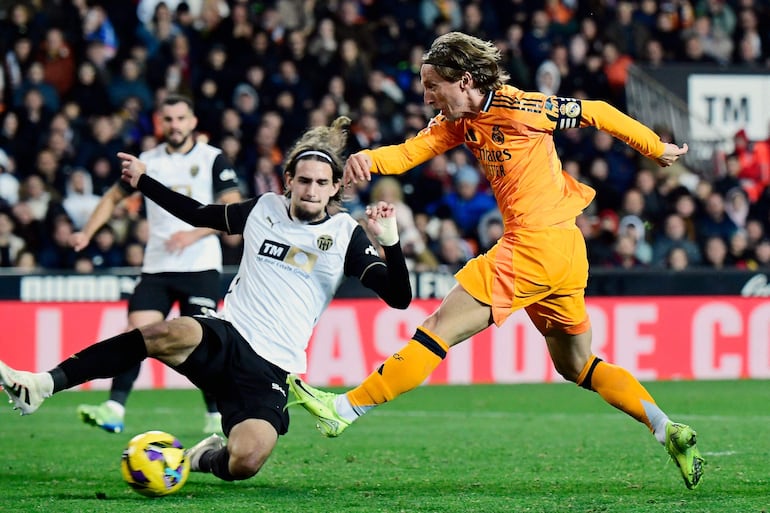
(539, 263)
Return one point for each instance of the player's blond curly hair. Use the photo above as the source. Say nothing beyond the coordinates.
(454, 53)
(324, 144)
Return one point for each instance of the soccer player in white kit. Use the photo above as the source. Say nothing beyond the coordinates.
(181, 262)
(295, 257)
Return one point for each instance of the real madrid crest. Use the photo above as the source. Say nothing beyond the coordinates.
(324, 242)
(194, 170)
(497, 135)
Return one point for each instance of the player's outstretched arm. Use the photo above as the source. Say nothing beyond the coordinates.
(185, 208)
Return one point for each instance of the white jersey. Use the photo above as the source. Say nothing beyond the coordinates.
(288, 275)
(193, 174)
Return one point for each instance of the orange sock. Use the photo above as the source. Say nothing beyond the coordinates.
(401, 372)
(618, 387)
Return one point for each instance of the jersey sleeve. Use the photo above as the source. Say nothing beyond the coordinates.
(605, 117)
(559, 113)
(236, 215)
(224, 176)
(439, 136)
(389, 278)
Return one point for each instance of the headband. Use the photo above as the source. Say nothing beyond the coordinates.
(317, 153)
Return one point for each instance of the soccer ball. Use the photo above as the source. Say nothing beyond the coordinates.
(154, 464)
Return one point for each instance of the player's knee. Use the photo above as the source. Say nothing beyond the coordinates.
(244, 464)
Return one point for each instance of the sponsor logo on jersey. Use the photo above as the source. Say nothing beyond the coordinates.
(273, 249)
(371, 251)
(288, 255)
(324, 242)
(194, 170)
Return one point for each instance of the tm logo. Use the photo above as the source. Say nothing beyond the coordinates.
(274, 250)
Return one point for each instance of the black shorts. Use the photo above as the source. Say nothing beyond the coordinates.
(193, 290)
(245, 385)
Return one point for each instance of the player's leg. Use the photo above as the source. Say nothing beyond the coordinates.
(110, 414)
(168, 341)
(573, 359)
(196, 294)
(459, 317)
(150, 303)
(252, 395)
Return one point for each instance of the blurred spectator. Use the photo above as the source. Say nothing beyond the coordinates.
(83, 265)
(624, 32)
(134, 254)
(266, 177)
(624, 253)
(674, 235)
(90, 91)
(158, 30)
(104, 251)
(603, 237)
(26, 261)
(762, 255)
(754, 160)
(29, 228)
(738, 253)
(36, 196)
(10, 244)
(58, 61)
(715, 253)
(9, 184)
(490, 230)
(654, 203)
(737, 206)
(466, 204)
(633, 226)
(451, 250)
(677, 259)
(56, 252)
(714, 220)
(130, 83)
(99, 31)
(79, 200)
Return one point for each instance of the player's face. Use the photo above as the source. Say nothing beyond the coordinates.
(178, 123)
(311, 189)
(448, 97)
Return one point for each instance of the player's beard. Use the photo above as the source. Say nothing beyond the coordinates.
(300, 213)
(176, 143)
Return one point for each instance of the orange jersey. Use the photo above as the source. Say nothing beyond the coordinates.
(512, 139)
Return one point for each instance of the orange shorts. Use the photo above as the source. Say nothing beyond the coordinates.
(544, 271)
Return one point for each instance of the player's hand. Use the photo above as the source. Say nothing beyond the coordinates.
(180, 240)
(131, 168)
(357, 168)
(78, 241)
(671, 154)
(381, 221)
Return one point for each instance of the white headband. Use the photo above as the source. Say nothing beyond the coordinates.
(316, 153)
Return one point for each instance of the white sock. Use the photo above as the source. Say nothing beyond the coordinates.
(658, 420)
(117, 407)
(345, 409)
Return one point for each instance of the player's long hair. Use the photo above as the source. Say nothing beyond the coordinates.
(454, 53)
(317, 144)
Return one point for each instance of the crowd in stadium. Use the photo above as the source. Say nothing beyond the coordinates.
(81, 80)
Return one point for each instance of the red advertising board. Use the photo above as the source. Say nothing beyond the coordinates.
(656, 338)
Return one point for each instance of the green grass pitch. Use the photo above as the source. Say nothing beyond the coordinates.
(518, 448)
